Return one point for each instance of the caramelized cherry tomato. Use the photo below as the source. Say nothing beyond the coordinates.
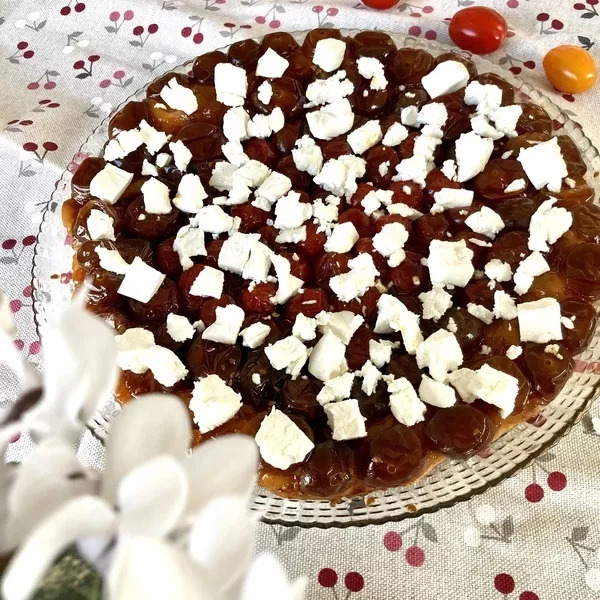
(478, 29)
(570, 69)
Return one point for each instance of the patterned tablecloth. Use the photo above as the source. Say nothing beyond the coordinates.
(65, 65)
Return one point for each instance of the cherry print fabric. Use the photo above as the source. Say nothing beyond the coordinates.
(65, 65)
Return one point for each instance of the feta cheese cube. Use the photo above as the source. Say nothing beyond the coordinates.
(329, 54)
(517, 185)
(343, 324)
(451, 198)
(213, 403)
(339, 175)
(190, 194)
(149, 169)
(480, 312)
(440, 353)
(189, 242)
(364, 137)
(179, 97)
(271, 64)
(110, 183)
(264, 93)
(156, 197)
(287, 284)
(506, 119)
(497, 388)
(213, 219)
(472, 154)
(274, 187)
(389, 242)
(448, 77)
(539, 321)
(179, 328)
(380, 352)
(338, 388)
(307, 155)
(408, 115)
(547, 225)
(375, 198)
(181, 155)
(342, 238)
(330, 89)
(209, 283)
(281, 442)
(141, 281)
(395, 134)
(513, 352)
(393, 316)
(544, 164)
(235, 124)
(433, 117)
(373, 69)
(123, 144)
(416, 168)
(486, 97)
(305, 328)
(231, 84)
(529, 268)
(111, 260)
(165, 365)
(131, 345)
(253, 173)
(404, 402)
(485, 221)
(227, 325)
(332, 120)
(357, 281)
(290, 212)
(288, 353)
(436, 393)
(235, 252)
(258, 264)
(449, 169)
(496, 270)
(327, 359)
(435, 302)
(291, 236)
(504, 306)
(450, 263)
(100, 225)
(371, 377)
(465, 382)
(345, 420)
(254, 335)
(154, 140)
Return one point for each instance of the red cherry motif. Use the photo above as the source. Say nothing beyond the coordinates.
(186, 32)
(504, 583)
(317, 9)
(28, 291)
(79, 7)
(138, 30)
(78, 64)
(327, 577)
(49, 85)
(93, 58)
(543, 17)
(415, 556)
(34, 347)
(557, 481)
(114, 16)
(15, 305)
(9, 244)
(534, 492)
(274, 24)
(28, 54)
(198, 37)
(30, 146)
(512, 3)
(34, 85)
(527, 595)
(29, 240)
(50, 146)
(19, 344)
(128, 15)
(354, 581)
(392, 541)
(152, 28)
(65, 10)
(22, 45)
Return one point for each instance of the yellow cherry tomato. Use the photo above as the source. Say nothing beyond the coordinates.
(570, 69)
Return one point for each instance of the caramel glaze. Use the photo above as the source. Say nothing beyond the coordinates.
(391, 454)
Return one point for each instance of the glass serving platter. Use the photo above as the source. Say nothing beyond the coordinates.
(451, 481)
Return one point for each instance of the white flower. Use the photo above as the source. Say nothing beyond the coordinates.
(485, 514)
(156, 55)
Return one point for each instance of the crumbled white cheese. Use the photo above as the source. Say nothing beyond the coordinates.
(209, 283)
(440, 353)
(331, 120)
(131, 345)
(305, 328)
(111, 260)
(447, 77)
(496, 388)
(123, 144)
(416, 168)
(155, 140)
(327, 359)
(307, 155)
(472, 154)
(213, 403)
(235, 251)
(179, 328)
(392, 316)
(227, 325)
(343, 323)
(281, 442)
(337, 388)
(156, 197)
(288, 284)
(189, 242)
(329, 54)
(373, 69)
(149, 169)
(547, 225)
(529, 268)
(258, 264)
(254, 335)
(181, 155)
(517, 185)
(339, 175)
(513, 352)
(481, 126)
(235, 124)
(179, 97)
(264, 93)
(165, 365)
(408, 115)
(330, 89)
(451, 198)
(271, 64)
(464, 382)
(436, 393)
(568, 323)
(380, 352)
(506, 119)
(365, 137)
(342, 238)
(290, 212)
(274, 187)
(481, 312)
(345, 420)
(100, 225)
(496, 270)
(435, 302)
(486, 97)
(544, 164)
(450, 263)
(231, 84)
(433, 117)
(449, 169)
(110, 183)
(389, 242)
(404, 402)
(293, 235)
(371, 377)
(383, 168)
(539, 321)
(141, 281)
(504, 306)
(553, 349)
(288, 353)
(190, 194)
(399, 208)
(485, 221)
(375, 198)
(357, 281)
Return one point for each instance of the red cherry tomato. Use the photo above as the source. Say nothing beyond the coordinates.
(380, 4)
(478, 29)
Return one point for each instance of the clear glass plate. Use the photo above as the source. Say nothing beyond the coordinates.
(450, 482)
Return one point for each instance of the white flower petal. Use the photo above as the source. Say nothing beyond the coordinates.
(154, 570)
(48, 477)
(149, 426)
(80, 373)
(267, 580)
(152, 497)
(225, 466)
(222, 542)
(83, 516)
